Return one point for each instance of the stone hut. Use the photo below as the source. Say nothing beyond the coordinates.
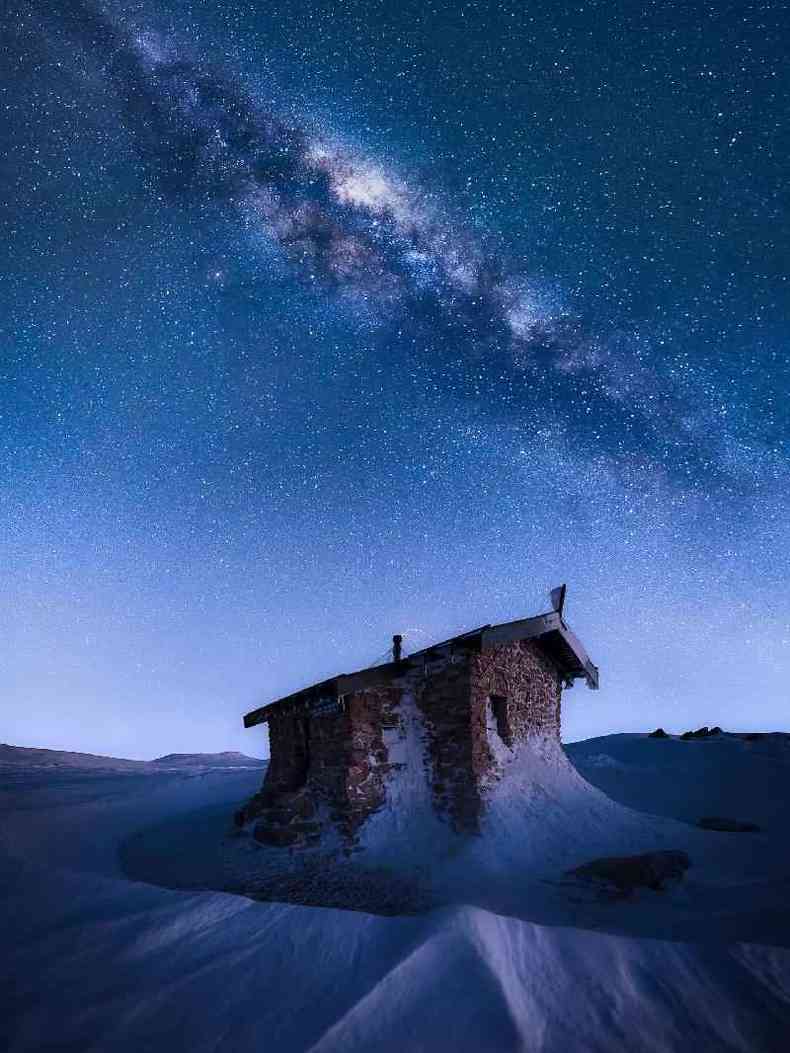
(336, 748)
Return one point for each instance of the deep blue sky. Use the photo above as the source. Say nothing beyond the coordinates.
(323, 321)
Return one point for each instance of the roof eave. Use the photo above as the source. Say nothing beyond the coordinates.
(543, 625)
(523, 629)
(342, 684)
(589, 669)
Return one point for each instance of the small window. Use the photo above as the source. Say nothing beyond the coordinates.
(499, 711)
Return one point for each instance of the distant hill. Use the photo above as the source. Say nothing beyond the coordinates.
(45, 758)
(228, 759)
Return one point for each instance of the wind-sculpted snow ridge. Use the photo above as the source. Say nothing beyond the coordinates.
(508, 981)
(540, 818)
(123, 965)
(542, 815)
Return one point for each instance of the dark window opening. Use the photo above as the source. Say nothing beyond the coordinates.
(499, 710)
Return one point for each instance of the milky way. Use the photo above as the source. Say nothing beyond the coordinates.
(202, 136)
(342, 220)
(391, 251)
(324, 321)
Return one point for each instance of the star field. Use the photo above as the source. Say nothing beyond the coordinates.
(325, 321)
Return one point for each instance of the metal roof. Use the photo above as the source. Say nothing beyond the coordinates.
(548, 630)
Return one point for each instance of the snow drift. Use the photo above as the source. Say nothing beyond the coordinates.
(94, 961)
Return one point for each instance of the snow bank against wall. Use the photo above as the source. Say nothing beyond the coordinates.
(95, 961)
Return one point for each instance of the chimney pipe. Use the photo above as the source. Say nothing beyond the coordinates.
(397, 641)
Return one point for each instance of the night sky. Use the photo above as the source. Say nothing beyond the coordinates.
(321, 321)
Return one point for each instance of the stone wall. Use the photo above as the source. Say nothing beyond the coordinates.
(308, 764)
(339, 762)
(443, 698)
(370, 711)
(526, 686)
(514, 683)
(287, 769)
(330, 736)
(335, 760)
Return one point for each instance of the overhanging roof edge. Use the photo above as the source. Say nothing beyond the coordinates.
(521, 629)
(542, 625)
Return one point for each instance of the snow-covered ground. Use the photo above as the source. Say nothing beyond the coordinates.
(510, 955)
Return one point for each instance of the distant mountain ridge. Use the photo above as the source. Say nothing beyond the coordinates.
(228, 759)
(34, 757)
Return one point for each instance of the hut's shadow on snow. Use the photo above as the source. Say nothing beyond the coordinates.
(201, 851)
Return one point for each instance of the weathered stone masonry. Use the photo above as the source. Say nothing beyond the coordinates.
(518, 684)
(529, 684)
(336, 762)
(330, 765)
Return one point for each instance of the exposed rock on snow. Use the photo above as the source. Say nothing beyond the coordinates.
(733, 826)
(701, 733)
(280, 837)
(626, 873)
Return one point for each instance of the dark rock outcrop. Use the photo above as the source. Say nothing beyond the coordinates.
(627, 873)
(280, 836)
(702, 733)
(284, 819)
(725, 825)
(659, 733)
